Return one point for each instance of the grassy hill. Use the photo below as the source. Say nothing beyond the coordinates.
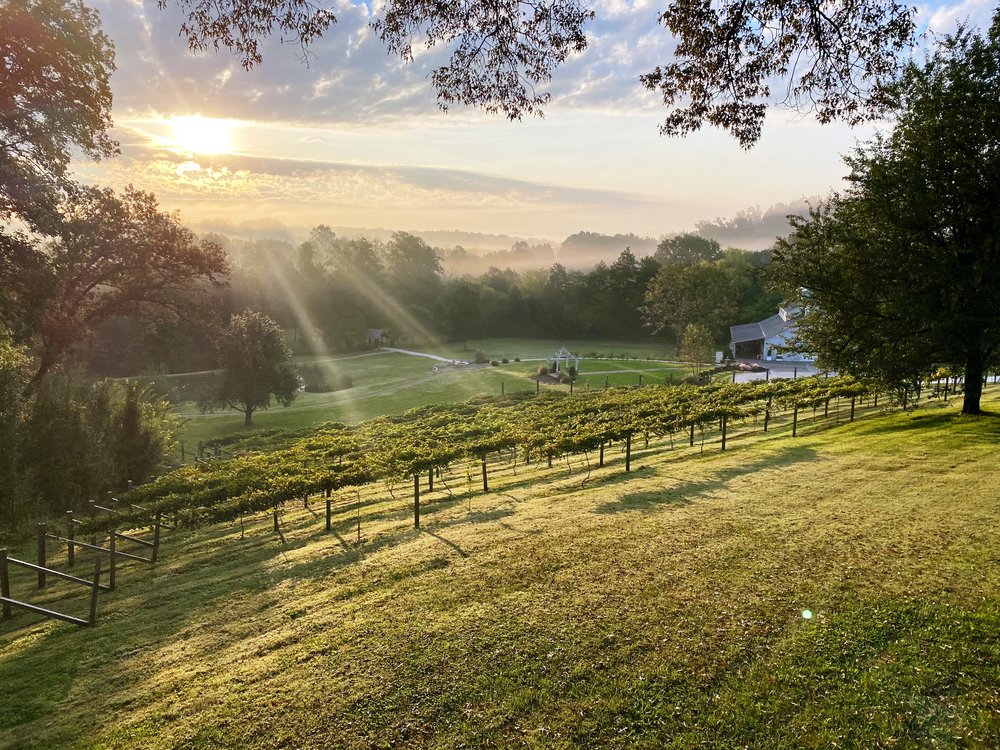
(664, 608)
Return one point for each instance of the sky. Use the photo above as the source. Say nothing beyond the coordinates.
(354, 137)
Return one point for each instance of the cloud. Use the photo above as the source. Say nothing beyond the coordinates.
(296, 183)
(348, 77)
(944, 19)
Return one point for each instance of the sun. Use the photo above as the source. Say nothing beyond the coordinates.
(201, 135)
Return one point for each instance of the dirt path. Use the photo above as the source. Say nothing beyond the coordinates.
(418, 354)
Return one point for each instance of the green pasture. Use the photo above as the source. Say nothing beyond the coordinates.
(571, 607)
(391, 383)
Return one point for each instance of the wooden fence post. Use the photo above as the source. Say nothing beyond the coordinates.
(93, 592)
(691, 437)
(93, 516)
(826, 408)
(725, 423)
(628, 452)
(41, 555)
(113, 564)
(156, 537)
(486, 486)
(501, 388)
(605, 382)
(795, 421)
(538, 386)
(329, 509)
(70, 547)
(600, 461)
(430, 479)
(795, 372)
(767, 412)
(416, 501)
(4, 582)
(852, 408)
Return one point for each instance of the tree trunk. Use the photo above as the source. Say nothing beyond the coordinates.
(974, 370)
(247, 417)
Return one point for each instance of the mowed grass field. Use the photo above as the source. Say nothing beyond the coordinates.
(390, 383)
(659, 609)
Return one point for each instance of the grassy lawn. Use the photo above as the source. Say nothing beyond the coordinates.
(536, 348)
(660, 609)
(391, 383)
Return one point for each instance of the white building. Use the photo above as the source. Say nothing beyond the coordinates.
(767, 339)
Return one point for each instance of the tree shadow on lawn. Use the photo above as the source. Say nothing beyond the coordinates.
(159, 605)
(978, 428)
(163, 605)
(687, 491)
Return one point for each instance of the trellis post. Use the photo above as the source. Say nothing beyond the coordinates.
(156, 537)
(4, 582)
(41, 555)
(416, 500)
(113, 564)
(93, 592)
(70, 547)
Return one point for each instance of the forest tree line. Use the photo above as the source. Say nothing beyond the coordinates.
(331, 291)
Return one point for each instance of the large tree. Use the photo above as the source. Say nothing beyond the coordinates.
(55, 96)
(830, 57)
(256, 367)
(686, 249)
(701, 293)
(113, 255)
(901, 273)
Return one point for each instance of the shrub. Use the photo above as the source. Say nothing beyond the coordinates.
(481, 358)
(315, 380)
(564, 377)
(494, 363)
(505, 360)
(572, 372)
(517, 359)
(543, 370)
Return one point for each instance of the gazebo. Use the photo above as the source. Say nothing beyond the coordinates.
(562, 359)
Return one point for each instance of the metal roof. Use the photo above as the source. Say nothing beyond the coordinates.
(760, 330)
(746, 332)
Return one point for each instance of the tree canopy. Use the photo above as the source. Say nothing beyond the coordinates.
(687, 249)
(55, 95)
(901, 273)
(256, 366)
(701, 293)
(113, 255)
(832, 58)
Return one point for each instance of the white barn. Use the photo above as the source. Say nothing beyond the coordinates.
(766, 339)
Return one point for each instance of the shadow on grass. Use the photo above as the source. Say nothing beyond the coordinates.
(686, 491)
(976, 428)
(448, 542)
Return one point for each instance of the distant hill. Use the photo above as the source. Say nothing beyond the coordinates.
(584, 249)
(753, 228)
